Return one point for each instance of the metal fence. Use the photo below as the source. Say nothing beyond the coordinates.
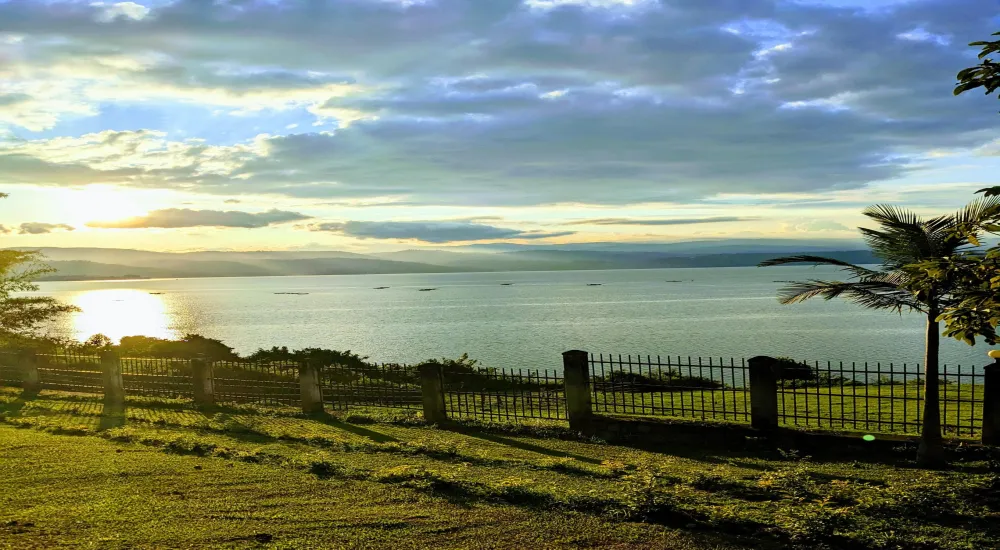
(70, 372)
(880, 398)
(157, 377)
(387, 385)
(712, 388)
(271, 383)
(502, 394)
(10, 370)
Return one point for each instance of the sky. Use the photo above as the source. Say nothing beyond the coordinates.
(373, 125)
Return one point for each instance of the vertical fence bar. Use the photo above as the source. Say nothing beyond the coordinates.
(576, 380)
(204, 386)
(111, 370)
(991, 404)
(311, 394)
(763, 393)
(432, 392)
(30, 379)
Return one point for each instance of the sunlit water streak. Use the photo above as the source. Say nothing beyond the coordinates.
(729, 312)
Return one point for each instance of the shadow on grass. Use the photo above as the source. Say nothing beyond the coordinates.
(523, 445)
(14, 407)
(112, 415)
(332, 421)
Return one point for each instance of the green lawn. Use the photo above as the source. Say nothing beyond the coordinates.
(164, 474)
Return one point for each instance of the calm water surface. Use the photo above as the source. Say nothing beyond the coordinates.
(730, 312)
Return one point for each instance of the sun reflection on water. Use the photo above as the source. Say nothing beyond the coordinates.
(120, 312)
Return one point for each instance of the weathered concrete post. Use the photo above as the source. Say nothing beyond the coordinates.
(311, 392)
(763, 393)
(576, 381)
(114, 386)
(204, 385)
(991, 404)
(30, 379)
(432, 392)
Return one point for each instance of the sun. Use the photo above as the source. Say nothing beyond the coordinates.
(95, 204)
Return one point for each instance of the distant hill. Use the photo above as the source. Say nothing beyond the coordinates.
(111, 263)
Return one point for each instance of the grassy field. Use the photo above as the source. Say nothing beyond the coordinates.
(161, 473)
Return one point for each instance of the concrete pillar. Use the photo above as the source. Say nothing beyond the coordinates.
(111, 369)
(204, 385)
(991, 404)
(763, 393)
(311, 392)
(576, 381)
(30, 379)
(432, 392)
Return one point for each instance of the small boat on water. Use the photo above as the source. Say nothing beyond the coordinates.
(295, 293)
(381, 287)
(156, 293)
(506, 284)
(594, 284)
(427, 289)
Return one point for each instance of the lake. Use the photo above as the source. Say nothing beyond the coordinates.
(519, 320)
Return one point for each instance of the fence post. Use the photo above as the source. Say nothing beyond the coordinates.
(576, 381)
(111, 369)
(311, 392)
(432, 392)
(991, 404)
(763, 393)
(204, 385)
(30, 379)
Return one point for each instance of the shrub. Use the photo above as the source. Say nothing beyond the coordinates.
(669, 380)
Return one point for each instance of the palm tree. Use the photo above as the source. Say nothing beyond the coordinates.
(902, 240)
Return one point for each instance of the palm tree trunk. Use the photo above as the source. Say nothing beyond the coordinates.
(930, 453)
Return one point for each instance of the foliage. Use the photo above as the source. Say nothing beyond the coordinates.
(319, 356)
(985, 75)
(22, 316)
(189, 346)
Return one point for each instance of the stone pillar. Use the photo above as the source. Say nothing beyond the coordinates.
(763, 393)
(30, 379)
(203, 380)
(991, 404)
(114, 387)
(576, 381)
(432, 392)
(311, 392)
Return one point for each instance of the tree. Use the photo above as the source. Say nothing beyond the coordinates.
(901, 241)
(986, 74)
(22, 316)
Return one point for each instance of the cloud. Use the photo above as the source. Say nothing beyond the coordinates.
(38, 228)
(232, 201)
(183, 217)
(438, 232)
(4, 229)
(500, 102)
(662, 221)
(817, 225)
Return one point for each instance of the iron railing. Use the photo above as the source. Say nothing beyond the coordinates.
(10, 370)
(879, 397)
(387, 385)
(712, 388)
(68, 371)
(157, 377)
(273, 383)
(502, 394)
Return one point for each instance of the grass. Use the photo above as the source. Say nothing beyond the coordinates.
(161, 473)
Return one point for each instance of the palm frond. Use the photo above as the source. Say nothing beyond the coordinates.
(869, 294)
(857, 270)
(891, 216)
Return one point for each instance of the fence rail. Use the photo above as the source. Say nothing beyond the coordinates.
(387, 386)
(763, 391)
(502, 394)
(712, 388)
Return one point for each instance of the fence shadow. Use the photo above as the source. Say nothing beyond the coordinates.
(523, 445)
(334, 422)
(112, 415)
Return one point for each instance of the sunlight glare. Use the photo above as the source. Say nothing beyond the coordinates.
(120, 312)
